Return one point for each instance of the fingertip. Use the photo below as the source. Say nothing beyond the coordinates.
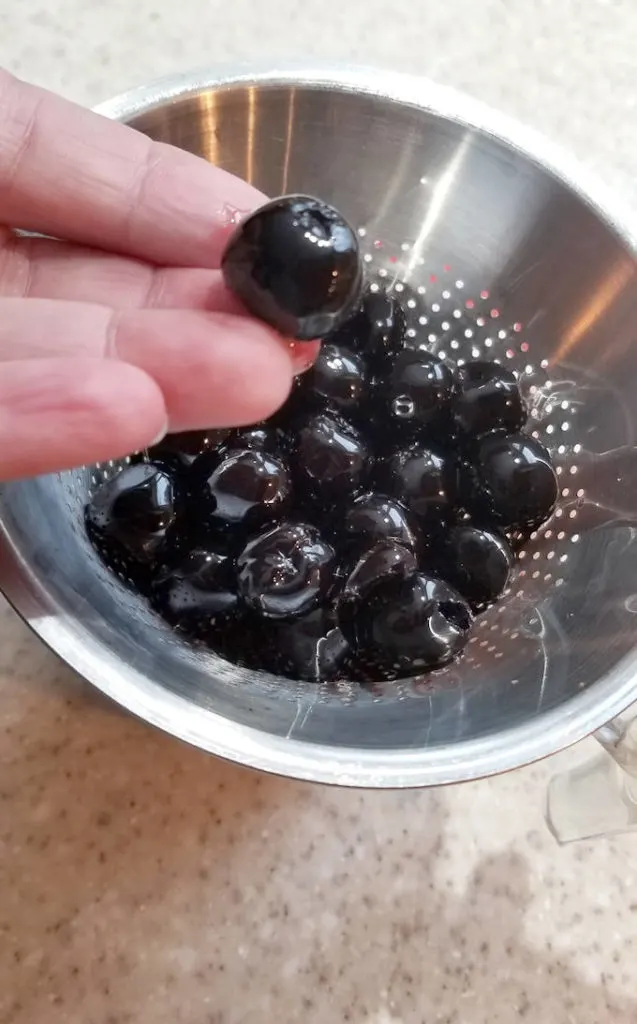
(303, 354)
(138, 418)
(220, 300)
(246, 376)
(213, 369)
(268, 383)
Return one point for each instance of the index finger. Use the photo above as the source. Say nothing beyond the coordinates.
(69, 172)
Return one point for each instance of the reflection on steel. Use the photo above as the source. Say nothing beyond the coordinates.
(501, 248)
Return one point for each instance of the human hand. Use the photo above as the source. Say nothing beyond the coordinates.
(122, 328)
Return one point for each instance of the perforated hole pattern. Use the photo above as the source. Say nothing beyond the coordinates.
(458, 327)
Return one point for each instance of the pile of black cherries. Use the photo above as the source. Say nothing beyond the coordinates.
(354, 535)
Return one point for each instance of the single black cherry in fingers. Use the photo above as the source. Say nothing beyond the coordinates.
(295, 263)
(487, 398)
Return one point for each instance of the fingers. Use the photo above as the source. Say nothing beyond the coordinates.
(46, 269)
(213, 369)
(60, 413)
(42, 268)
(68, 172)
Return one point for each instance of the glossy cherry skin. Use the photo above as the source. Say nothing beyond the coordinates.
(136, 510)
(423, 480)
(487, 398)
(383, 559)
(311, 647)
(377, 329)
(374, 516)
(199, 591)
(417, 390)
(510, 481)
(262, 437)
(241, 488)
(382, 449)
(188, 446)
(330, 458)
(477, 562)
(295, 263)
(410, 623)
(285, 571)
(338, 377)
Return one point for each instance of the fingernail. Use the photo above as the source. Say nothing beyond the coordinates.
(161, 435)
(303, 354)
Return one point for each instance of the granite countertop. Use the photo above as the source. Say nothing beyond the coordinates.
(141, 881)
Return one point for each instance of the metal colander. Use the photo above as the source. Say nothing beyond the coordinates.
(500, 250)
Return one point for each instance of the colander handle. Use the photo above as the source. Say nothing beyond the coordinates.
(598, 797)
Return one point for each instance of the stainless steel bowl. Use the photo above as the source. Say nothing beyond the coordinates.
(510, 252)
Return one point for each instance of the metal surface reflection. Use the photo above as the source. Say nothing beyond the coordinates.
(512, 253)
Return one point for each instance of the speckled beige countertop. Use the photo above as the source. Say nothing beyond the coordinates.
(141, 881)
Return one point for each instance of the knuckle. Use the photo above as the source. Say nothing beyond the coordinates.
(19, 113)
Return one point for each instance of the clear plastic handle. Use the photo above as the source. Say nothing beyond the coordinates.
(599, 797)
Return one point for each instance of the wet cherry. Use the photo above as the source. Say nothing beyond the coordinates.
(384, 558)
(285, 571)
(262, 437)
(477, 562)
(377, 329)
(311, 647)
(295, 263)
(372, 517)
(411, 623)
(488, 398)
(338, 377)
(136, 510)
(330, 458)
(417, 390)
(423, 480)
(199, 591)
(188, 446)
(510, 480)
(241, 488)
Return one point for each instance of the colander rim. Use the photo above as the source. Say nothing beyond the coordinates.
(402, 88)
(551, 731)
